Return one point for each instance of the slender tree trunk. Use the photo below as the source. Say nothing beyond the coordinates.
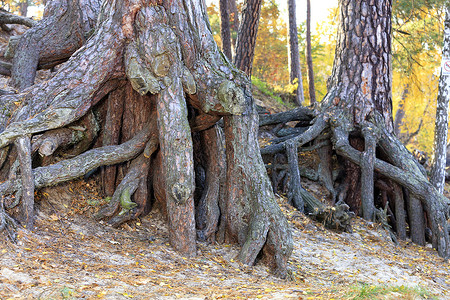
(23, 8)
(225, 28)
(234, 20)
(312, 89)
(295, 73)
(246, 40)
(441, 129)
(400, 114)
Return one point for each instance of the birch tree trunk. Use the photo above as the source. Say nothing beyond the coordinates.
(441, 128)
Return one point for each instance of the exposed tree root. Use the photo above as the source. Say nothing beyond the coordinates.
(400, 167)
(48, 44)
(27, 192)
(78, 166)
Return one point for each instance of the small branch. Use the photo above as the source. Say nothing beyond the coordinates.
(319, 125)
(290, 131)
(7, 18)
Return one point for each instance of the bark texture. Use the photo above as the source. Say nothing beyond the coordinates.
(363, 46)
(246, 40)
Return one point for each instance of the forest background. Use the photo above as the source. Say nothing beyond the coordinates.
(416, 48)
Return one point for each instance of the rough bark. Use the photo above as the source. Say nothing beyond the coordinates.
(441, 128)
(363, 47)
(295, 73)
(416, 220)
(111, 135)
(251, 198)
(208, 207)
(367, 178)
(246, 40)
(400, 213)
(312, 89)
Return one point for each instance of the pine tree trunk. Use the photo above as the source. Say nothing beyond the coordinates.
(225, 28)
(400, 114)
(23, 8)
(246, 40)
(312, 89)
(234, 20)
(295, 73)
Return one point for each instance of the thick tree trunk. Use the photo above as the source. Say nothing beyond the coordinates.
(312, 89)
(246, 40)
(359, 100)
(165, 51)
(441, 128)
(295, 73)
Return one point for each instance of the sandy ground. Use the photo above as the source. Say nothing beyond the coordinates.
(69, 255)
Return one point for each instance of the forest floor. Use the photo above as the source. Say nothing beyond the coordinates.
(68, 255)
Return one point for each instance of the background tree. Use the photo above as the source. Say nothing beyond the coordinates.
(225, 31)
(294, 53)
(157, 69)
(271, 55)
(312, 90)
(441, 128)
(246, 40)
(417, 26)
